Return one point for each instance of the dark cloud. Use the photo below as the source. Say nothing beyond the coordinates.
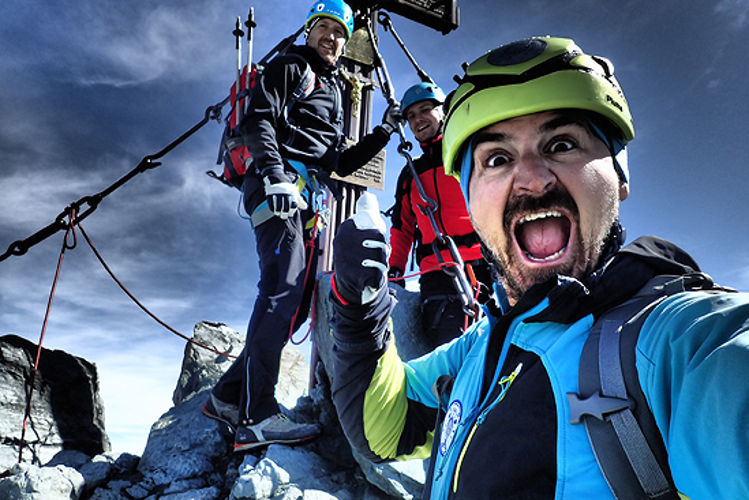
(90, 87)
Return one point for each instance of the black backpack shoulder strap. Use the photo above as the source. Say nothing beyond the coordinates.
(306, 84)
(622, 431)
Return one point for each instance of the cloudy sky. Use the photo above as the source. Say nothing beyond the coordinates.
(90, 87)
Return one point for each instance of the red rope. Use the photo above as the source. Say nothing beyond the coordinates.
(310, 243)
(424, 271)
(27, 412)
(311, 318)
(144, 308)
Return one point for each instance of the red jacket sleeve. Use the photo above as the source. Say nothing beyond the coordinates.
(403, 229)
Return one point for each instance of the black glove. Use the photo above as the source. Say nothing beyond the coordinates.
(392, 118)
(393, 274)
(282, 195)
(360, 254)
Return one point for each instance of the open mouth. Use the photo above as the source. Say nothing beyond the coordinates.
(543, 237)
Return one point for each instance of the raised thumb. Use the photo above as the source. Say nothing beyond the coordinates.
(367, 214)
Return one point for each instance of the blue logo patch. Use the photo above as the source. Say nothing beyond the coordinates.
(450, 425)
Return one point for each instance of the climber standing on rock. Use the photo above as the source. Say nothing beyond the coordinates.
(294, 140)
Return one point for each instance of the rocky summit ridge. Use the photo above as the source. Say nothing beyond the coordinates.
(188, 456)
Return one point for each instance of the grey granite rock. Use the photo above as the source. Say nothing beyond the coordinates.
(66, 410)
(31, 482)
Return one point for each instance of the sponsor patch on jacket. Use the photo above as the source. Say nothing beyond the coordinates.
(450, 425)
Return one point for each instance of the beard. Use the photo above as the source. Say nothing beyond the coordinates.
(514, 274)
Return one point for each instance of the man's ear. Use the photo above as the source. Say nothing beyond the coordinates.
(623, 190)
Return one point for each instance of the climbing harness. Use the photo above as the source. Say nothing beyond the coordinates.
(441, 240)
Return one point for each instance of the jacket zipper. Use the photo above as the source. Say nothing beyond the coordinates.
(505, 383)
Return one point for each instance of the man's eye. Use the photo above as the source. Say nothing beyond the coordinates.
(561, 145)
(496, 160)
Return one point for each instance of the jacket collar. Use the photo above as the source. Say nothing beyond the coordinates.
(433, 147)
(620, 277)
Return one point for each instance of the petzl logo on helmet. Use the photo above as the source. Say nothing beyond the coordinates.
(450, 425)
(611, 100)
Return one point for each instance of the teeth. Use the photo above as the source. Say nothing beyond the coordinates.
(542, 215)
(539, 215)
(546, 259)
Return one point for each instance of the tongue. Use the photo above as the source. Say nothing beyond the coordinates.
(544, 237)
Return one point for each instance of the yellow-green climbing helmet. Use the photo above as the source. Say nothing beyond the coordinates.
(530, 76)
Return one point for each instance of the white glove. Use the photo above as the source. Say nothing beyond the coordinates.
(283, 198)
(361, 253)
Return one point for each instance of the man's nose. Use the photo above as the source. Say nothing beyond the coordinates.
(533, 175)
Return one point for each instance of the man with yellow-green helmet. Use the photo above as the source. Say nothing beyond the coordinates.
(537, 133)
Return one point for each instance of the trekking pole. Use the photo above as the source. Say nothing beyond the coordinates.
(387, 24)
(238, 34)
(456, 272)
(250, 24)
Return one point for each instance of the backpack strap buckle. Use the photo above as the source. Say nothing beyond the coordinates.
(596, 406)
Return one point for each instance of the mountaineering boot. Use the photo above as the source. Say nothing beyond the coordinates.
(274, 429)
(223, 412)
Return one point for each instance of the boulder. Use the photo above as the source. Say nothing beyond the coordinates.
(189, 456)
(28, 481)
(66, 409)
(187, 450)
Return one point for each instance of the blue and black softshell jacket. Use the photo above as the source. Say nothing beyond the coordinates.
(491, 406)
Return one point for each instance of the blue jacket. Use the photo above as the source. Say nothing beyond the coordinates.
(503, 430)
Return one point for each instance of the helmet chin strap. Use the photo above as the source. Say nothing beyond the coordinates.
(466, 165)
(617, 149)
(312, 25)
(611, 245)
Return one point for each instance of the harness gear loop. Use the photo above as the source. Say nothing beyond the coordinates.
(457, 273)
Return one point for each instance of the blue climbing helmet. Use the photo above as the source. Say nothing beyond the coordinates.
(422, 92)
(337, 10)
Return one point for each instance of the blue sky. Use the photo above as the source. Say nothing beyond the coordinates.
(90, 87)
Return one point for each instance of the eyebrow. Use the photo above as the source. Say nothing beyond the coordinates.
(482, 137)
(561, 121)
(552, 124)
